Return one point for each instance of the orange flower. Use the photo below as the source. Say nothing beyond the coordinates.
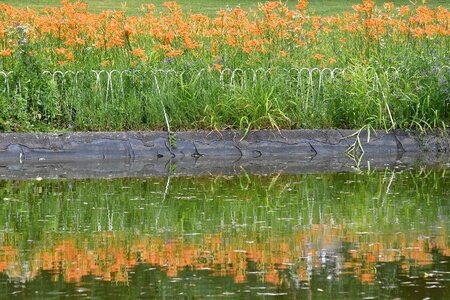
(6, 52)
(418, 32)
(174, 53)
(105, 63)
(404, 9)
(318, 56)
(389, 6)
(301, 6)
(231, 41)
(117, 41)
(349, 28)
(190, 44)
(98, 44)
(72, 28)
(70, 42)
(79, 41)
(171, 5)
(138, 52)
(70, 57)
(61, 51)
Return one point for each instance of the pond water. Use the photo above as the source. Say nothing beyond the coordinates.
(366, 235)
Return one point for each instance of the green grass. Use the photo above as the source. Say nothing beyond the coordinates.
(251, 100)
(209, 7)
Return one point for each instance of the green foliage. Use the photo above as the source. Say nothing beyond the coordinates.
(379, 97)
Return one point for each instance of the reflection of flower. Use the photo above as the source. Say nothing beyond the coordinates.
(229, 256)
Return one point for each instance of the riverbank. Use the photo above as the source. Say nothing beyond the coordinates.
(120, 154)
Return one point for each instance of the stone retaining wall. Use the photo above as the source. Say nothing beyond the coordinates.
(112, 154)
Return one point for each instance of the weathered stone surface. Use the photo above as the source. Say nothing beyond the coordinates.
(104, 154)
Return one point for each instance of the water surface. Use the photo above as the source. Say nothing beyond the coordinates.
(366, 235)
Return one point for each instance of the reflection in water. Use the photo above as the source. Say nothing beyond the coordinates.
(337, 235)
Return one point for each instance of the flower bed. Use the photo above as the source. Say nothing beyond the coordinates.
(274, 68)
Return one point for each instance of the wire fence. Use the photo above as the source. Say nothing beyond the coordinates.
(111, 83)
(311, 86)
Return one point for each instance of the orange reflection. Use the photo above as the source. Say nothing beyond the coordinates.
(110, 256)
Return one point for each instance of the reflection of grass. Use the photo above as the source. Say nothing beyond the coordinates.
(321, 7)
(388, 201)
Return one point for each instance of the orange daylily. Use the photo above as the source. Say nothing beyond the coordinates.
(273, 29)
(138, 52)
(6, 52)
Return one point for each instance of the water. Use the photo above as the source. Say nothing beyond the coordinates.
(369, 235)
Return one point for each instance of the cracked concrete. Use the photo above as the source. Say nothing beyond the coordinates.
(111, 154)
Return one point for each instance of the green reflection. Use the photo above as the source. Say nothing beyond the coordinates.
(382, 233)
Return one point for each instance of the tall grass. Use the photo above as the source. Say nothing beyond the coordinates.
(233, 98)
